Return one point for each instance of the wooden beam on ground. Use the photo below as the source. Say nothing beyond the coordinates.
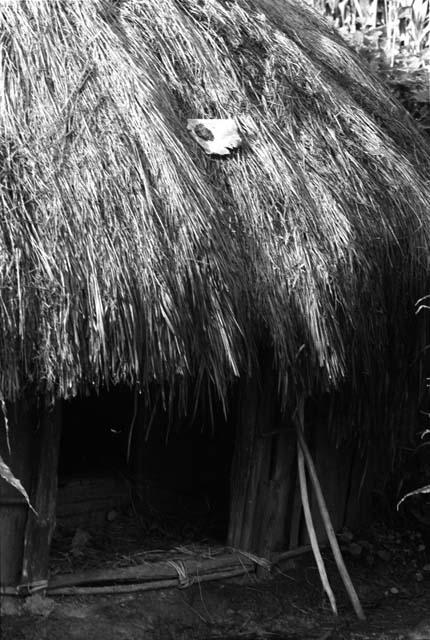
(183, 570)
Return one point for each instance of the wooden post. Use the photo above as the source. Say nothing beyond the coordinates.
(22, 419)
(263, 471)
(250, 454)
(43, 496)
(25, 539)
(279, 501)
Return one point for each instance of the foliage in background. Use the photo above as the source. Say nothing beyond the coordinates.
(394, 36)
(402, 24)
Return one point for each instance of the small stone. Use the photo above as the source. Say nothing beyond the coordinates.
(419, 576)
(394, 591)
(112, 515)
(422, 547)
(426, 568)
(79, 541)
(81, 538)
(345, 536)
(11, 606)
(39, 605)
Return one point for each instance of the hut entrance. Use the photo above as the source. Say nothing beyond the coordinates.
(172, 491)
(164, 516)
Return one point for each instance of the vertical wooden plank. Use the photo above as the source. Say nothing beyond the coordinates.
(279, 501)
(253, 526)
(22, 418)
(263, 470)
(39, 530)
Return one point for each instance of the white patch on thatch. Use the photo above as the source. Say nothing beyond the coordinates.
(217, 136)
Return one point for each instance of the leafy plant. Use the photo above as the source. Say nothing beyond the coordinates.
(405, 23)
(7, 475)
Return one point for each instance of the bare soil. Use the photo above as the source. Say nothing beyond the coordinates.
(284, 605)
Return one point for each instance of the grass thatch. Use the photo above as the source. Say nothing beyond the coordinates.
(129, 255)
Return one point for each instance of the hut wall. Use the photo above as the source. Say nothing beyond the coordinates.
(22, 419)
(360, 505)
(347, 477)
(25, 538)
(265, 510)
(40, 528)
(334, 467)
(263, 478)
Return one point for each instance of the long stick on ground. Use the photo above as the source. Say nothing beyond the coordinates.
(311, 529)
(350, 589)
(141, 586)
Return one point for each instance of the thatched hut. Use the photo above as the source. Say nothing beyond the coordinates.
(283, 274)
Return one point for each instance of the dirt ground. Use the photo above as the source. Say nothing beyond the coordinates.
(392, 582)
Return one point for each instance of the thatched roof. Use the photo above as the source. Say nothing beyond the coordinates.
(128, 254)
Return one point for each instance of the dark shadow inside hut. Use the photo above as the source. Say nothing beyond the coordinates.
(173, 491)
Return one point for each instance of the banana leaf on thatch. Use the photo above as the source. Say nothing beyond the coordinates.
(128, 254)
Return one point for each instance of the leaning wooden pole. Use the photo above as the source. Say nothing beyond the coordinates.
(346, 579)
(311, 529)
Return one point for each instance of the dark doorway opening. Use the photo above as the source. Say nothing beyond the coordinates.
(173, 490)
